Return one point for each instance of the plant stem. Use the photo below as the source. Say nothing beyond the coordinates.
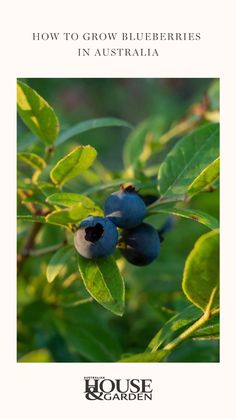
(76, 303)
(179, 129)
(45, 250)
(162, 201)
(215, 312)
(28, 245)
(195, 326)
(187, 333)
(29, 205)
(48, 153)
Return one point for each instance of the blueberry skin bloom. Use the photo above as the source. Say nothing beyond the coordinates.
(140, 245)
(96, 237)
(125, 208)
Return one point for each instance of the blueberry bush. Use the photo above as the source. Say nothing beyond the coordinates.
(118, 262)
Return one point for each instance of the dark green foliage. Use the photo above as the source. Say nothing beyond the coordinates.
(72, 309)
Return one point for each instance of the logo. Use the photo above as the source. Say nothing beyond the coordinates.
(101, 388)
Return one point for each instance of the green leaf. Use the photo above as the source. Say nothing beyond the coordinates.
(195, 215)
(103, 281)
(72, 216)
(201, 272)
(62, 218)
(58, 262)
(206, 177)
(32, 218)
(47, 188)
(188, 159)
(146, 357)
(210, 329)
(32, 160)
(27, 185)
(113, 185)
(182, 319)
(89, 125)
(39, 355)
(36, 113)
(146, 133)
(87, 334)
(73, 164)
(35, 200)
(207, 337)
(65, 199)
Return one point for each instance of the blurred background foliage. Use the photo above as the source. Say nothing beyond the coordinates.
(59, 322)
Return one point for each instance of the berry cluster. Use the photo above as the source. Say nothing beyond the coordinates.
(139, 242)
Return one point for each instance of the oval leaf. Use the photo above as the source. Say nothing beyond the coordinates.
(36, 200)
(195, 215)
(28, 186)
(188, 159)
(32, 160)
(73, 164)
(206, 177)
(36, 113)
(110, 185)
(65, 199)
(147, 132)
(91, 124)
(58, 261)
(47, 188)
(65, 217)
(103, 281)
(32, 218)
(201, 272)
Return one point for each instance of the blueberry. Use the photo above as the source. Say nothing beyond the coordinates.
(140, 245)
(125, 208)
(96, 237)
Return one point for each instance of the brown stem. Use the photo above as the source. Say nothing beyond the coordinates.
(28, 245)
(29, 205)
(46, 250)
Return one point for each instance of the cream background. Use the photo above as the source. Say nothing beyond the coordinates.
(56, 390)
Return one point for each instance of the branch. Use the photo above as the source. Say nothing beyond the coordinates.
(46, 250)
(195, 326)
(28, 245)
(163, 200)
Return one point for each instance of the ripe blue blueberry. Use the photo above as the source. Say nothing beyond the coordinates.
(125, 208)
(140, 245)
(96, 237)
